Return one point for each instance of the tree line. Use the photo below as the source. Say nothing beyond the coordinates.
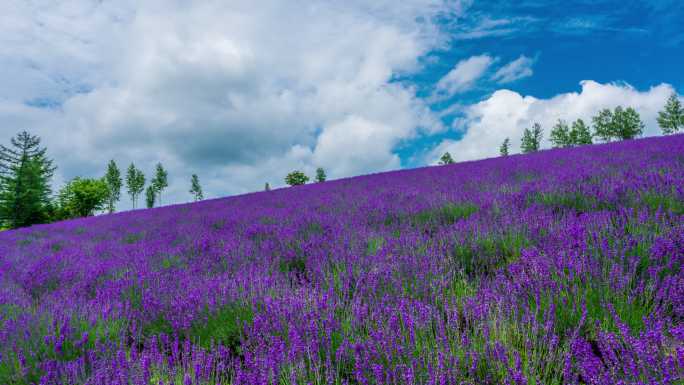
(25, 169)
(26, 196)
(608, 125)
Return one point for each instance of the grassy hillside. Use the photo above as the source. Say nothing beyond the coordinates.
(558, 267)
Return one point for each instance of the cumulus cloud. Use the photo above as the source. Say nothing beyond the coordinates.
(239, 94)
(464, 75)
(507, 113)
(515, 70)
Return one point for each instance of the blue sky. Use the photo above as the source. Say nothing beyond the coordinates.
(636, 43)
(240, 92)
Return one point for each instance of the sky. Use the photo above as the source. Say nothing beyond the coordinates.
(242, 92)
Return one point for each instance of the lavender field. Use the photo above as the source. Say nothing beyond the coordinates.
(559, 267)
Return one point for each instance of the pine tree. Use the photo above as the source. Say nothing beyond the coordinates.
(196, 189)
(25, 173)
(503, 150)
(160, 181)
(531, 140)
(580, 134)
(135, 183)
(150, 194)
(446, 159)
(114, 182)
(560, 135)
(671, 119)
(320, 175)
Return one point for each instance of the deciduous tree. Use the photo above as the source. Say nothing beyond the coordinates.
(296, 178)
(114, 182)
(671, 118)
(135, 183)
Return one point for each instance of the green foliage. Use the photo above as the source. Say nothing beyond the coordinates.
(135, 183)
(503, 150)
(160, 181)
(482, 256)
(671, 119)
(82, 197)
(579, 133)
(560, 135)
(445, 215)
(620, 124)
(531, 139)
(195, 188)
(267, 187)
(114, 183)
(150, 196)
(25, 173)
(320, 175)
(22, 361)
(446, 159)
(296, 178)
(374, 244)
(224, 326)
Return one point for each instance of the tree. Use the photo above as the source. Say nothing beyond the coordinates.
(135, 183)
(503, 150)
(320, 175)
(82, 197)
(618, 124)
(531, 139)
(25, 173)
(628, 124)
(150, 195)
(160, 181)
(671, 119)
(195, 188)
(114, 182)
(267, 187)
(579, 133)
(603, 125)
(560, 135)
(446, 159)
(296, 178)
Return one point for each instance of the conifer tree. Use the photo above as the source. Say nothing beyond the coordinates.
(671, 119)
(25, 173)
(114, 182)
(195, 188)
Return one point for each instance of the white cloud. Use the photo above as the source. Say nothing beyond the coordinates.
(507, 113)
(464, 75)
(515, 70)
(235, 92)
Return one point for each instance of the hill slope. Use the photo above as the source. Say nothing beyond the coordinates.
(562, 266)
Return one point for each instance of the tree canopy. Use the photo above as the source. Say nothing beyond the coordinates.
(296, 178)
(25, 173)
